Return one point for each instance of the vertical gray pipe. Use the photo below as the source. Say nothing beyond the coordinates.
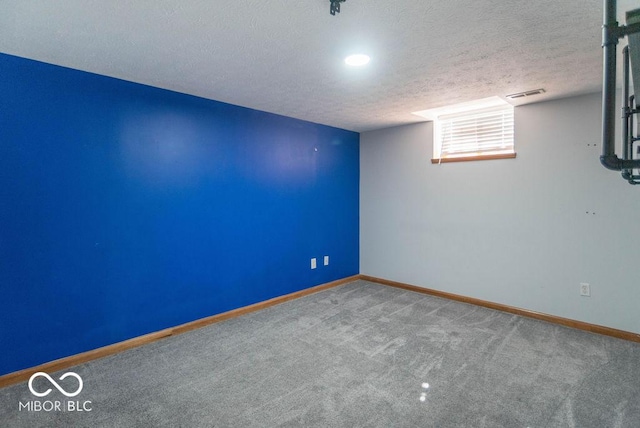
(610, 34)
(627, 174)
(609, 82)
(625, 103)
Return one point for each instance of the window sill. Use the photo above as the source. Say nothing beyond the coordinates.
(474, 158)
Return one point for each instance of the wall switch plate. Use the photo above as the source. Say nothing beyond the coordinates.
(313, 263)
(585, 289)
(326, 260)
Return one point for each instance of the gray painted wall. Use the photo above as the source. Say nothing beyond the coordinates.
(523, 232)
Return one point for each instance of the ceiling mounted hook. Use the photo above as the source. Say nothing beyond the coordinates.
(335, 6)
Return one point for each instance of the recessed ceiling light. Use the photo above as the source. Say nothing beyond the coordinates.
(357, 60)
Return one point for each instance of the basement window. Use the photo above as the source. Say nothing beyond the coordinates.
(478, 134)
(473, 130)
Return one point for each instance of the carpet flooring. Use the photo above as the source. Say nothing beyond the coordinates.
(358, 355)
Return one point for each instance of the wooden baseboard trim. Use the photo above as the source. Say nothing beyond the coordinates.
(580, 325)
(94, 354)
(73, 360)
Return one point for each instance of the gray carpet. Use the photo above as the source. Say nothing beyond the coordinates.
(362, 355)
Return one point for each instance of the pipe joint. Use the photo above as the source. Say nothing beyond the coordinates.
(611, 162)
(610, 34)
(614, 163)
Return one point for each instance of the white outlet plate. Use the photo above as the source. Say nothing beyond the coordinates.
(326, 260)
(313, 263)
(585, 289)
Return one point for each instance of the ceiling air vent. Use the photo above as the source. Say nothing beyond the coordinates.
(526, 94)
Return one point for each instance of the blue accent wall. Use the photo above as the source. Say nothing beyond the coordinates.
(126, 209)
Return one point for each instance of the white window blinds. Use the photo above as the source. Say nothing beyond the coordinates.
(476, 133)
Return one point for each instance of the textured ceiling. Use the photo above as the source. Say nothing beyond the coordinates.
(286, 56)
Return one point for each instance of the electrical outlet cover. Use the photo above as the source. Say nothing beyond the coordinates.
(585, 290)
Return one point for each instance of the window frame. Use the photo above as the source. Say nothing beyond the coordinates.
(474, 114)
